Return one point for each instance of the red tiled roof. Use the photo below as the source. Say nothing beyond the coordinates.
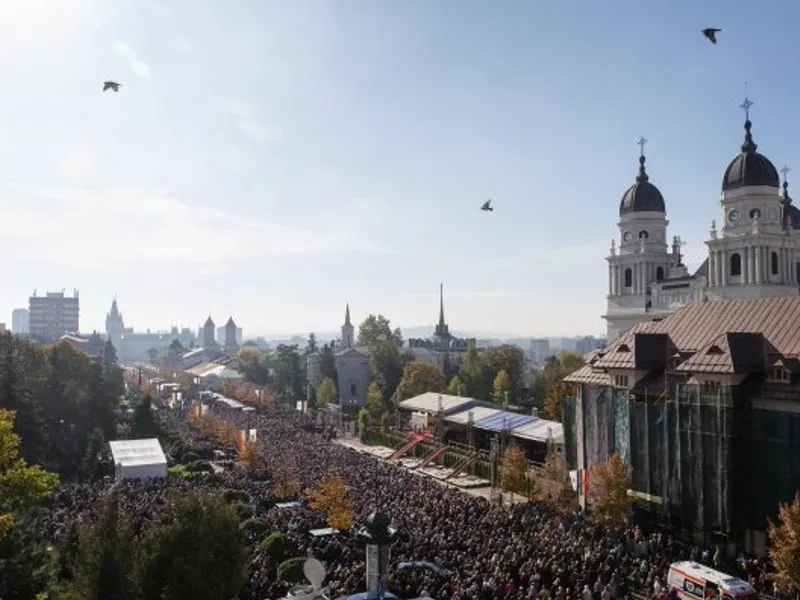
(590, 376)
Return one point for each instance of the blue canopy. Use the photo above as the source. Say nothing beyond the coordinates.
(504, 421)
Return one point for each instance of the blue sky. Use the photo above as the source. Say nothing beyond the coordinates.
(275, 159)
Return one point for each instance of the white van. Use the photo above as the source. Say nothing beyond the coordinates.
(693, 581)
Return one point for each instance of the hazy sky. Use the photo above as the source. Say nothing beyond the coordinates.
(272, 160)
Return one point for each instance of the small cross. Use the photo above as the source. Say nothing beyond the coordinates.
(785, 171)
(641, 143)
(746, 107)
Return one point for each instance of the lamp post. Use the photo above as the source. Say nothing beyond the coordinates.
(378, 537)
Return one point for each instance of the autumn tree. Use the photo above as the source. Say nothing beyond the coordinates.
(332, 499)
(501, 387)
(553, 486)
(418, 378)
(511, 359)
(611, 504)
(514, 471)
(285, 478)
(250, 457)
(784, 537)
(557, 395)
(326, 392)
(21, 486)
(554, 372)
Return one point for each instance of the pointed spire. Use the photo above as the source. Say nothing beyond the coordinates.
(441, 306)
(642, 176)
(749, 146)
(347, 316)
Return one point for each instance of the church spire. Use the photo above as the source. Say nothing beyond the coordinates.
(441, 326)
(347, 315)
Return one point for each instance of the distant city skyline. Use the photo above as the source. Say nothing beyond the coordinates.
(272, 161)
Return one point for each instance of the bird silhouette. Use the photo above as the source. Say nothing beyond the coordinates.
(487, 206)
(711, 34)
(111, 85)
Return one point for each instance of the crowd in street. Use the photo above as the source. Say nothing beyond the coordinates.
(486, 550)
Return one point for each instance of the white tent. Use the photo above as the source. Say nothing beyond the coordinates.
(138, 459)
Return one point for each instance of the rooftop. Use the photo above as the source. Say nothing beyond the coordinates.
(131, 453)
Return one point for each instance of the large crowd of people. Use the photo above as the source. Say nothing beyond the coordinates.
(484, 550)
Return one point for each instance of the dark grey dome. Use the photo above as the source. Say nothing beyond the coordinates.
(750, 167)
(791, 214)
(642, 196)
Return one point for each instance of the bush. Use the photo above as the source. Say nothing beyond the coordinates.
(290, 571)
(179, 472)
(275, 546)
(189, 457)
(255, 528)
(200, 466)
(231, 496)
(244, 511)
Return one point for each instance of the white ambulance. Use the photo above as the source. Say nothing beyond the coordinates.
(693, 581)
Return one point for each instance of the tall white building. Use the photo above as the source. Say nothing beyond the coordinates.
(19, 321)
(53, 315)
(754, 254)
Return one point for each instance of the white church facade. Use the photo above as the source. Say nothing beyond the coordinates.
(754, 254)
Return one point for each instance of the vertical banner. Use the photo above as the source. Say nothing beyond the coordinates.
(242, 439)
(252, 437)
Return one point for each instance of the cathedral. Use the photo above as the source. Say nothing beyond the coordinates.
(754, 252)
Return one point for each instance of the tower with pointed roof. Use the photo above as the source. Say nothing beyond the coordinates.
(348, 331)
(754, 254)
(209, 333)
(115, 326)
(442, 329)
(230, 335)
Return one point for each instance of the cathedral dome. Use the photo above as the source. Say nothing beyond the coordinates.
(749, 167)
(642, 196)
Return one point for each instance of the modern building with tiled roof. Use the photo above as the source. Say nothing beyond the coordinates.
(705, 407)
(755, 253)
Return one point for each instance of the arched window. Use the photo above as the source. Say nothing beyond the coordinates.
(353, 389)
(773, 260)
(736, 264)
(660, 274)
(628, 277)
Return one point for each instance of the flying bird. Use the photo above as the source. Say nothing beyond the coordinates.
(111, 85)
(487, 206)
(711, 34)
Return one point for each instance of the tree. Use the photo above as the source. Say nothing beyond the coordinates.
(327, 363)
(556, 397)
(387, 364)
(374, 402)
(144, 421)
(251, 458)
(784, 537)
(200, 553)
(510, 359)
(514, 470)
(475, 375)
(418, 378)
(501, 387)
(554, 371)
(376, 329)
(290, 383)
(255, 365)
(326, 392)
(553, 487)
(21, 486)
(608, 494)
(24, 561)
(311, 344)
(102, 566)
(331, 498)
(456, 387)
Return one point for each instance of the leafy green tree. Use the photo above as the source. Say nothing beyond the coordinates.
(144, 421)
(255, 365)
(456, 387)
(418, 378)
(104, 557)
(556, 369)
(326, 393)
(502, 387)
(201, 552)
(387, 364)
(510, 359)
(290, 381)
(374, 404)
(24, 561)
(475, 375)
(376, 329)
(327, 363)
(92, 465)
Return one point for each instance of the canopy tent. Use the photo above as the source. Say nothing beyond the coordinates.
(138, 459)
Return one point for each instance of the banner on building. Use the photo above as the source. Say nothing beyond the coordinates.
(242, 439)
(251, 438)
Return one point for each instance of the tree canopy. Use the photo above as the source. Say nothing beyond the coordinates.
(326, 392)
(376, 329)
(418, 378)
(552, 374)
(608, 494)
(784, 537)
